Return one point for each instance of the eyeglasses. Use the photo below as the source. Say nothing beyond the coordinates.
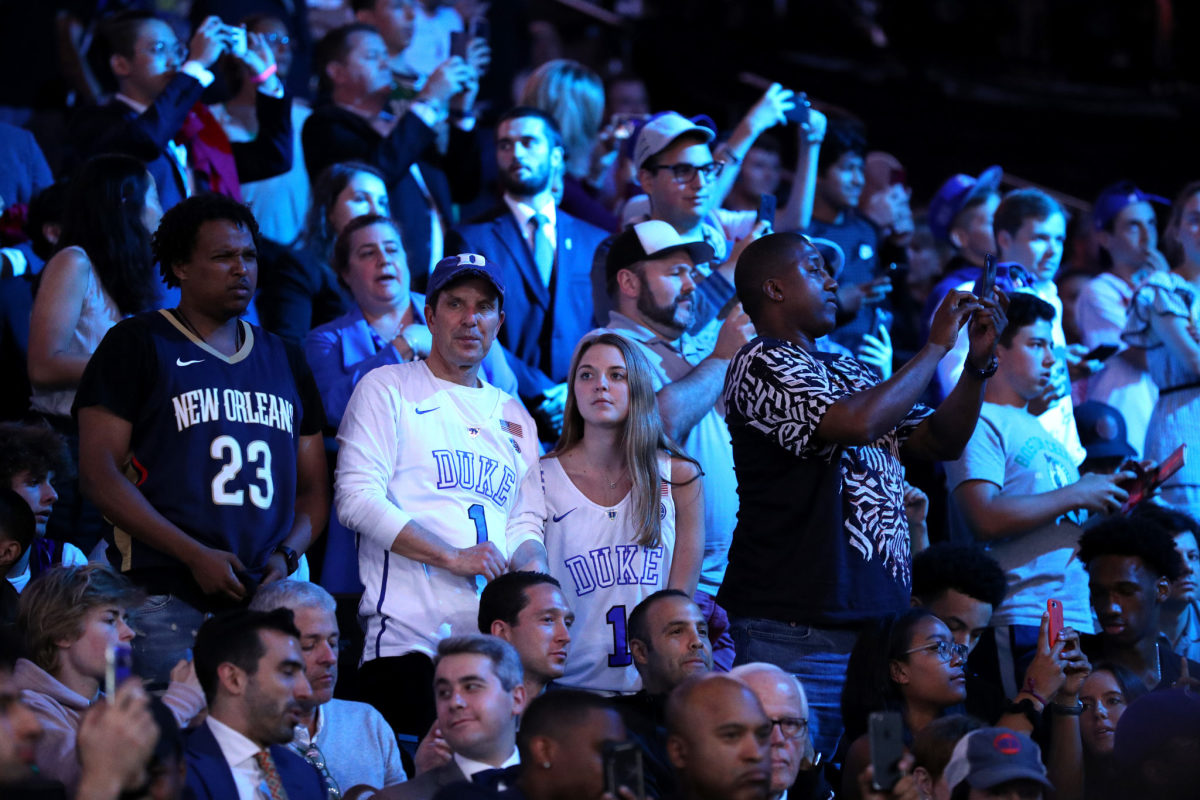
(277, 38)
(945, 651)
(791, 727)
(686, 173)
(175, 49)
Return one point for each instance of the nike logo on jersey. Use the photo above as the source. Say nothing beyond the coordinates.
(427, 410)
(561, 517)
(181, 363)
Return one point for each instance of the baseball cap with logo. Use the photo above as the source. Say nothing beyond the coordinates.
(988, 757)
(470, 265)
(1102, 430)
(659, 131)
(649, 240)
(955, 194)
(1117, 197)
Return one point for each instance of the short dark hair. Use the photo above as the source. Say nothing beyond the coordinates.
(1024, 309)
(843, 134)
(1170, 520)
(37, 449)
(16, 519)
(637, 618)
(964, 568)
(175, 239)
(232, 637)
(763, 258)
(119, 32)
(318, 236)
(553, 132)
(557, 715)
(934, 745)
(335, 46)
(1022, 204)
(1122, 536)
(504, 598)
(341, 245)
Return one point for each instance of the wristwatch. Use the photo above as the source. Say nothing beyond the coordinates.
(982, 374)
(293, 558)
(1026, 707)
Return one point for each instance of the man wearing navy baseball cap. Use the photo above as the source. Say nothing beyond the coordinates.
(1127, 230)
(438, 475)
(996, 762)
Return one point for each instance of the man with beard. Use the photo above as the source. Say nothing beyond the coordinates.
(652, 285)
(251, 669)
(349, 743)
(546, 256)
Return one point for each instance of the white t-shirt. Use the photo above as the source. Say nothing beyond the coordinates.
(604, 572)
(1011, 449)
(459, 461)
(72, 556)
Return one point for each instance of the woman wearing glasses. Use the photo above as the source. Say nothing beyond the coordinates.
(909, 663)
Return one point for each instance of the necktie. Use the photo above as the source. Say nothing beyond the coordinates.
(272, 779)
(313, 755)
(543, 248)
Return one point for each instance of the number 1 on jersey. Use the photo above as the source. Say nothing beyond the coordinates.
(476, 515)
(620, 657)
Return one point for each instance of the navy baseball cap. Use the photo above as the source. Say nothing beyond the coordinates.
(955, 194)
(1102, 430)
(988, 757)
(1116, 197)
(1151, 721)
(465, 265)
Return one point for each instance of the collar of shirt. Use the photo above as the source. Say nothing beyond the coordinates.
(238, 750)
(685, 345)
(470, 767)
(129, 101)
(523, 212)
(300, 738)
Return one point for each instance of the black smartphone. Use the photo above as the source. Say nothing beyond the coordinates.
(766, 209)
(481, 28)
(987, 281)
(118, 667)
(1102, 352)
(458, 44)
(799, 114)
(623, 767)
(885, 731)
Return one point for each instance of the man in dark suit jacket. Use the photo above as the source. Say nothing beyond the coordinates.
(362, 123)
(158, 107)
(546, 255)
(252, 672)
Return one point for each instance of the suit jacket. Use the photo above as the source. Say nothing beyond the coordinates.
(541, 325)
(333, 134)
(117, 128)
(23, 169)
(209, 776)
(425, 785)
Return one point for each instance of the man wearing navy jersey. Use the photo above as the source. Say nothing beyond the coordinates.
(200, 437)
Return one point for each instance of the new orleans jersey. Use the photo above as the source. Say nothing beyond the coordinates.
(459, 461)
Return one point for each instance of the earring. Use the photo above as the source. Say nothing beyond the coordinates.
(545, 765)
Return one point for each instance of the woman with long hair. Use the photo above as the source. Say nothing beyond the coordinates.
(1161, 320)
(624, 508)
(305, 292)
(1105, 695)
(908, 663)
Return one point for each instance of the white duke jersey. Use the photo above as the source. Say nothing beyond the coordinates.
(605, 573)
(459, 461)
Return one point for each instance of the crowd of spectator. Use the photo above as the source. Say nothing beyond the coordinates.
(369, 431)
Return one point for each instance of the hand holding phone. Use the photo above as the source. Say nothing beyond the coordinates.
(1055, 609)
(986, 283)
(622, 764)
(799, 113)
(1149, 481)
(118, 666)
(885, 732)
(766, 209)
(1101, 352)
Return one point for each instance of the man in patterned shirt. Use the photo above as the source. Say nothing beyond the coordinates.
(822, 543)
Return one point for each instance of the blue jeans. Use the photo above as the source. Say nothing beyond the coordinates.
(816, 656)
(166, 630)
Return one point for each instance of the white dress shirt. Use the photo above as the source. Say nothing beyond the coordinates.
(523, 212)
(239, 752)
(470, 767)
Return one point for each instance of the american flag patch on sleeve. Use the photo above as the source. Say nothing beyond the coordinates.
(666, 489)
(512, 428)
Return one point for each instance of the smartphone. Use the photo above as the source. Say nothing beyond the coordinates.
(766, 209)
(799, 114)
(1102, 352)
(1148, 483)
(237, 40)
(481, 28)
(118, 667)
(987, 280)
(1055, 609)
(885, 731)
(623, 767)
(458, 44)
(625, 124)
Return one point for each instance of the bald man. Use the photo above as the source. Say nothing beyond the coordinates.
(782, 698)
(718, 740)
(817, 440)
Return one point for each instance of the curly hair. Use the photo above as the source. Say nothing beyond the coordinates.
(1122, 536)
(36, 449)
(1170, 520)
(175, 239)
(962, 567)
